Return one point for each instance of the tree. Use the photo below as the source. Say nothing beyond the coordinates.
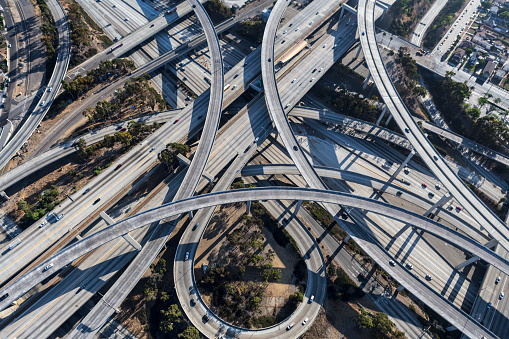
(364, 320)
(190, 333)
(486, 4)
(297, 297)
(383, 325)
(421, 91)
(169, 155)
(170, 317)
(474, 112)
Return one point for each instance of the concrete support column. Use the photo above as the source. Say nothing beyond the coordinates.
(191, 215)
(248, 207)
(400, 288)
(388, 119)
(383, 14)
(366, 81)
(348, 237)
(492, 243)
(358, 52)
(443, 200)
(452, 328)
(467, 262)
(400, 168)
(297, 207)
(342, 12)
(381, 116)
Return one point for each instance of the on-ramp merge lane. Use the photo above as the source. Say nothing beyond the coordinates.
(454, 315)
(422, 145)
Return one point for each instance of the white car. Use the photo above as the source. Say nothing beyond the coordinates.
(501, 296)
(324, 46)
(321, 69)
(152, 149)
(187, 256)
(48, 267)
(49, 89)
(311, 299)
(43, 102)
(311, 22)
(285, 32)
(290, 327)
(305, 321)
(294, 80)
(9, 46)
(297, 29)
(60, 216)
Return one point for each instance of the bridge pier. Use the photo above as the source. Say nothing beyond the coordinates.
(297, 207)
(388, 119)
(127, 237)
(403, 164)
(348, 237)
(191, 214)
(443, 200)
(248, 207)
(358, 52)
(400, 288)
(490, 244)
(381, 115)
(365, 84)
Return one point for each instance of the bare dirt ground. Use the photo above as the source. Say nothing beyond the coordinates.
(210, 251)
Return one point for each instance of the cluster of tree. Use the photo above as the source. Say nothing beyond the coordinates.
(81, 34)
(351, 104)
(503, 13)
(450, 97)
(380, 324)
(48, 29)
(441, 23)
(399, 10)
(253, 29)
(217, 11)
(169, 155)
(136, 93)
(281, 236)
(408, 63)
(46, 202)
(340, 286)
(235, 300)
(136, 132)
(107, 70)
(2, 24)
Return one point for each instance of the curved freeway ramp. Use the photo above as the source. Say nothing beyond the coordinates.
(186, 288)
(119, 291)
(275, 107)
(34, 119)
(455, 316)
(469, 201)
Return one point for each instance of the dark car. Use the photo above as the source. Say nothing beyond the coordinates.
(96, 201)
(123, 129)
(295, 148)
(206, 318)
(118, 166)
(176, 121)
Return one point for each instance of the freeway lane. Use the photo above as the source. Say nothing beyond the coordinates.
(142, 261)
(132, 40)
(430, 156)
(38, 162)
(26, 129)
(276, 110)
(423, 24)
(457, 317)
(138, 160)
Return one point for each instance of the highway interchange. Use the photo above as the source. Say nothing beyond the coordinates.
(217, 148)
